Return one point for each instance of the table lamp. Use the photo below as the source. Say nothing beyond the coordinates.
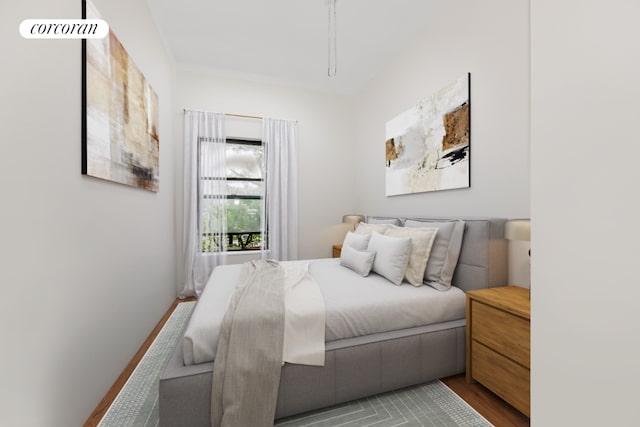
(353, 219)
(519, 229)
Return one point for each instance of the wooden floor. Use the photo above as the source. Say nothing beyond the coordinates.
(495, 410)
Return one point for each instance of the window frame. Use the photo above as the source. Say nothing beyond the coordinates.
(235, 237)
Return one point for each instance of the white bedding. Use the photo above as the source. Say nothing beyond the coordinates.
(355, 306)
(304, 316)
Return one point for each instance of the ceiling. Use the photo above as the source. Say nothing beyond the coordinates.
(286, 40)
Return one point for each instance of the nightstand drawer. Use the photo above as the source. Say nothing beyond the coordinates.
(501, 331)
(505, 378)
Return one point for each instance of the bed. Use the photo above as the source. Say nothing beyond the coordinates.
(383, 353)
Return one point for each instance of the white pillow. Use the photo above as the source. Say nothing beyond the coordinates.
(358, 261)
(421, 242)
(356, 241)
(366, 228)
(444, 252)
(392, 256)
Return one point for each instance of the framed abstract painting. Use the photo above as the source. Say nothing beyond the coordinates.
(120, 139)
(427, 147)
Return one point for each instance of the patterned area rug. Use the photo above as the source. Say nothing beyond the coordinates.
(431, 404)
(137, 403)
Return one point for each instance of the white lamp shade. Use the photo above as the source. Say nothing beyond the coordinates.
(352, 219)
(518, 229)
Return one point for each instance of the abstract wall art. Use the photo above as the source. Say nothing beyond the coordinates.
(120, 140)
(428, 146)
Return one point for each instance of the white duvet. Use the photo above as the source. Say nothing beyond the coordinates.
(354, 306)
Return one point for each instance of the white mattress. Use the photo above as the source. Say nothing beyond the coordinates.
(355, 306)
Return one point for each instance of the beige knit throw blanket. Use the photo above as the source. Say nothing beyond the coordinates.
(246, 370)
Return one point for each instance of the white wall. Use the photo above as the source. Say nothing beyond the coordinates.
(584, 207)
(325, 150)
(88, 267)
(489, 39)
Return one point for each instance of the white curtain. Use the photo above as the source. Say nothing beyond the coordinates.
(280, 139)
(204, 198)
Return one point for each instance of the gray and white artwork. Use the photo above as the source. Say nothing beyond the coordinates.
(427, 146)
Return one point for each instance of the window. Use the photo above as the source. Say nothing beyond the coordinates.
(239, 195)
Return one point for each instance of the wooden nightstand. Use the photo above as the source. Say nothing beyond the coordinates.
(337, 249)
(499, 343)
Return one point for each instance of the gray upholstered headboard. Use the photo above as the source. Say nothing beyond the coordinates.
(483, 257)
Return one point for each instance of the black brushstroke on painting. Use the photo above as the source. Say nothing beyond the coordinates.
(454, 157)
(139, 171)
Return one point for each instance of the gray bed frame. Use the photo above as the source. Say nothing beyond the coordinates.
(362, 366)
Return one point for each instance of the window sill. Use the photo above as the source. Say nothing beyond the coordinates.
(235, 253)
(245, 253)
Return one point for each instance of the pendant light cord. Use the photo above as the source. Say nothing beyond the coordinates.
(332, 39)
